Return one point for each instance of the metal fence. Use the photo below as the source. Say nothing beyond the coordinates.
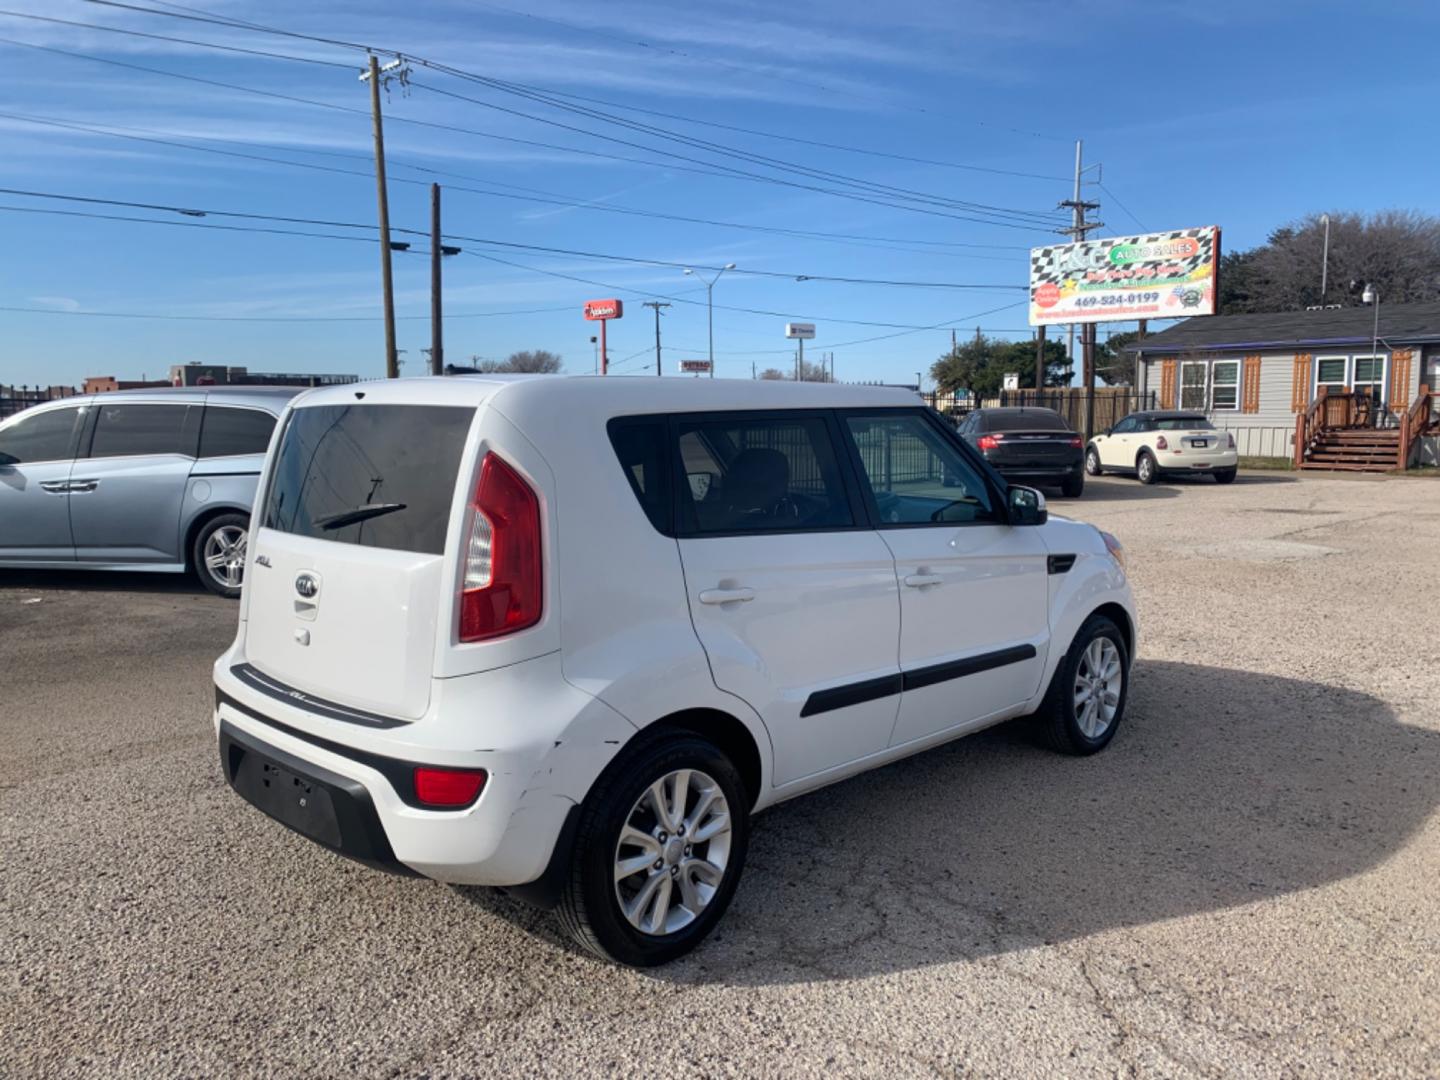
(1111, 404)
(15, 398)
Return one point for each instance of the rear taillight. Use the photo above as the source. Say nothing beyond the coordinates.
(1077, 443)
(1161, 444)
(990, 442)
(501, 589)
(1230, 441)
(448, 787)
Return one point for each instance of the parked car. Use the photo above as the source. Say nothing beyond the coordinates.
(136, 480)
(1151, 444)
(1033, 445)
(567, 635)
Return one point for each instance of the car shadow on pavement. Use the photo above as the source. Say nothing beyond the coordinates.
(100, 581)
(1222, 788)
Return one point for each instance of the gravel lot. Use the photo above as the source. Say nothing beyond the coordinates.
(1246, 883)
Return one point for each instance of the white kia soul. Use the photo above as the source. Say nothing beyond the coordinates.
(567, 635)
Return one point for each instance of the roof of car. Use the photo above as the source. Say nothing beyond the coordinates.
(613, 395)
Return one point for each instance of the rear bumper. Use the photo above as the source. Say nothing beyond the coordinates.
(506, 837)
(1196, 461)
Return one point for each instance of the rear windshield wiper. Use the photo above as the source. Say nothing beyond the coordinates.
(356, 514)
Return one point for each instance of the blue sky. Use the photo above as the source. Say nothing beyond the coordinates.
(1243, 115)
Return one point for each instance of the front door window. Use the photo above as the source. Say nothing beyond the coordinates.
(1370, 379)
(1330, 373)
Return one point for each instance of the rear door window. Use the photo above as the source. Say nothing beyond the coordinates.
(226, 431)
(775, 473)
(140, 430)
(380, 476)
(41, 436)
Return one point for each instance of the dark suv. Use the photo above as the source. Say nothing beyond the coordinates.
(1031, 445)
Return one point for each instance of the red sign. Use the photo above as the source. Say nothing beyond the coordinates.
(603, 309)
(694, 367)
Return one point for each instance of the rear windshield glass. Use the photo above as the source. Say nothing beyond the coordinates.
(380, 476)
(1025, 420)
(1183, 423)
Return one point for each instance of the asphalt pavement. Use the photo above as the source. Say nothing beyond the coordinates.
(1246, 883)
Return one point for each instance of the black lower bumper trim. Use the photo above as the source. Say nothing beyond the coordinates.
(333, 810)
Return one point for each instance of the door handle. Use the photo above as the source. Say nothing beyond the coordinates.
(55, 487)
(82, 486)
(726, 596)
(919, 581)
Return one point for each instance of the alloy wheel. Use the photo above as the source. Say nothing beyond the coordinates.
(1099, 678)
(672, 853)
(224, 555)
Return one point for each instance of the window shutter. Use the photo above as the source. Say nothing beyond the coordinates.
(1167, 383)
(1300, 383)
(1250, 397)
(1400, 380)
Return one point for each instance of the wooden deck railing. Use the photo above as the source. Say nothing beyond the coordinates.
(1413, 424)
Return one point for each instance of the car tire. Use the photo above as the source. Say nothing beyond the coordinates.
(1146, 471)
(1092, 462)
(1224, 476)
(218, 553)
(1073, 486)
(1097, 656)
(609, 914)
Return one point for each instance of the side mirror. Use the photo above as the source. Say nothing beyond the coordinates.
(1027, 507)
(1107, 431)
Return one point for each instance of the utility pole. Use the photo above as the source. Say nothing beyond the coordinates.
(1039, 362)
(1325, 260)
(657, 305)
(437, 347)
(1078, 230)
(387, 284)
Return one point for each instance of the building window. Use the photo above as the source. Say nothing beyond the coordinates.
(1192, 384)
(1330, 373)
(1369, 378)
(1225, 384)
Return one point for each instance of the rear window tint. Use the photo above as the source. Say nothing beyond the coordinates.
(1025, 420)
(1183, 423)
(380, 476)
(226, 431)
(640, 446)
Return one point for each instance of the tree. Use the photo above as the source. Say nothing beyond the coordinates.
(980, 365)
(1398, 251)
(525, 362)
(1114, 367)
(809, 373)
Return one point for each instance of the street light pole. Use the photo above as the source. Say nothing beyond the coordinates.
(1325, 260)
(710, 309)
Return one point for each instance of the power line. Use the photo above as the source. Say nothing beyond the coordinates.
(1122, 206)
(194, 15)
(168, 317)
(884, 243)
(539, 248)
(539, 95)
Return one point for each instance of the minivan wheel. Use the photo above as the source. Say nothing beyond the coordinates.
(1092, 462)
(659, 851)
(218, 554)
(1087, 696)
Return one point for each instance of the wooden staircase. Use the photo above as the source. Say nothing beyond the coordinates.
(1353, 450)
(1337, 433)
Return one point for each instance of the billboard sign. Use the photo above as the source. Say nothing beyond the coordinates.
(1170, 275)
(603, 309)
(805, 331)
(694, 367)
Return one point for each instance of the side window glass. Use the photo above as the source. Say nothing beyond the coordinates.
(915, 476)
(131, 430)
(640, 447)
(1124, 427)
(41, 436)
(226, 432)
(746, 475)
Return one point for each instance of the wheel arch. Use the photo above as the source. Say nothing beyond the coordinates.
(1117, 614)
(202, 518)
(727, 732)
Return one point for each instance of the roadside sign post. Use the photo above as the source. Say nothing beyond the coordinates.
(602, 311)
(801, 332)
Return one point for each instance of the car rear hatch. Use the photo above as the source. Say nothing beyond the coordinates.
(1199, 440)
(1033, 448)
(346, 583)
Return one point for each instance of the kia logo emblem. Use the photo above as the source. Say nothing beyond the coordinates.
(307, 586)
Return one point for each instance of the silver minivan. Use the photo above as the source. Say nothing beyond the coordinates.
(158, 480)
